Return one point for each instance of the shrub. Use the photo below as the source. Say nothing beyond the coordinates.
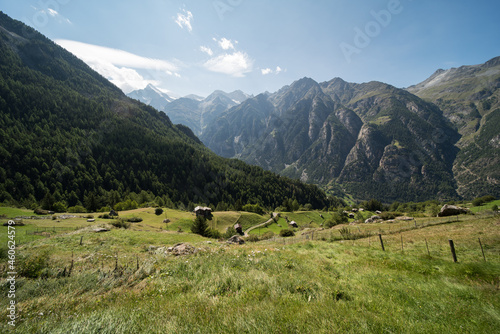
(120, 223)
(267, 235)
(212, 233)
(481, 200)
(135, 220)
(345, 233)
(59, 207)
(33, 265)
(105, 216)
(127, 205)
(255, 208)
(158, 211)
(337, 219)
(39, 211)
(230, 231)
(286, 233)
(77, 209)
(252, 238)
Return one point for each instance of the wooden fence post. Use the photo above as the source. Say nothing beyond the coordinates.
(482, 250)
(81, 240)
(452, 247)
(427, 245)
(402, 247)
(381, 241)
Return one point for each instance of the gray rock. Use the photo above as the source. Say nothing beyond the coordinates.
(236, 239)
(452, 210)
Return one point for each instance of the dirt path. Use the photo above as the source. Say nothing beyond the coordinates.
(260, 225)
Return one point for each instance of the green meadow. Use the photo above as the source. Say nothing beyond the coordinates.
(79, 281)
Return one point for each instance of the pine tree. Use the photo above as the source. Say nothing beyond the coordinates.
(199, 226)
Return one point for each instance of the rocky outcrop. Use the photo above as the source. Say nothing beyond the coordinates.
(236, 240)
(452, 210)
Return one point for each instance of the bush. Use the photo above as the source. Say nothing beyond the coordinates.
(135, 220)
(127, 205)
(77, 209)
(230, 231)
(158, 211)
(214, 234)
(59, 207)
(255, 208)
(481, 200)
(39, 211)
(105, 216)
(120, 223)
(337, 219)
(286, 233)
(267, 235)
(33, 265)
(252, 238)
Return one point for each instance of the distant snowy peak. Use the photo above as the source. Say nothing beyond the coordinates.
(152, 96)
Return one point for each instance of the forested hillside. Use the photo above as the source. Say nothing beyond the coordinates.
(68, 135)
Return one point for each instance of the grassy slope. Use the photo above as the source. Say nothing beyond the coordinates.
(318, 286)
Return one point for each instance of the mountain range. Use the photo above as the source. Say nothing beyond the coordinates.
(435, 140)
(70, 137)
(192, 111)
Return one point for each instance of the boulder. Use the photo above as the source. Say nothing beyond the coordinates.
(181, 249)
(452, 210)
(236, 240)
(101, 229)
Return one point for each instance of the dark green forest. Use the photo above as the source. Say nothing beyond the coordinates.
(69, 136)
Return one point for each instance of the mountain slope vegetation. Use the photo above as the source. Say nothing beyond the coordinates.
(68, 135)
(470, 98)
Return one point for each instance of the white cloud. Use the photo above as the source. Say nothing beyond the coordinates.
(226, 44)
(118, 66)
(52, 12)
(235, 64)
(184, 20)
(266, 71)
(207, 50)
(54, 15)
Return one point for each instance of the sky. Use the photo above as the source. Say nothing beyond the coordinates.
(196, 47)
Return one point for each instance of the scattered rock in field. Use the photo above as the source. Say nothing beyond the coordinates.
(101, 229)
(181, 249)
(152, 248)
(404, 218)
(452, 210)
(236, 239)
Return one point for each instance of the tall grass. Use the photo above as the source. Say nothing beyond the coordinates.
(309, 286)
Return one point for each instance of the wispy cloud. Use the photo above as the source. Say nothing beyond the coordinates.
(53, 14)
(184, 20)
(225, 44)
(118, 66)
(207, 50)
(236, 64)
(266, 71)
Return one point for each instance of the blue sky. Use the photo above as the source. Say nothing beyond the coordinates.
(196, 47)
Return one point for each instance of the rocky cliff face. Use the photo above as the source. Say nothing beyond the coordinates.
(373, 139)
(470, 98)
